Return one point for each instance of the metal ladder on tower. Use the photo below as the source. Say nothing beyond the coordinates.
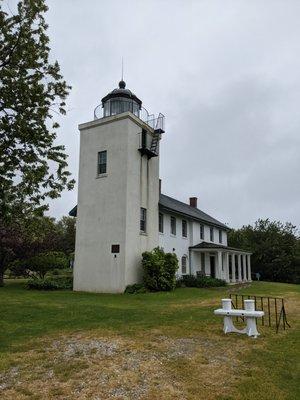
(154, 142)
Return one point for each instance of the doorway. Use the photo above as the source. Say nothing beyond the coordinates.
(212, 266)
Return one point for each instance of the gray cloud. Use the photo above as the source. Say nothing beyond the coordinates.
(225, 75)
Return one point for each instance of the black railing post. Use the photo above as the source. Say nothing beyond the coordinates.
(269, 314)
(262, 309)
(276, 312)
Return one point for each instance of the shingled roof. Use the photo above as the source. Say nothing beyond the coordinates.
(215, 246)
(169, 204)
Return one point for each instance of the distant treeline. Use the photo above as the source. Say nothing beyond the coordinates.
(275, 247)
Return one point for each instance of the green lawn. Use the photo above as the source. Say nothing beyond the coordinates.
(146, 346)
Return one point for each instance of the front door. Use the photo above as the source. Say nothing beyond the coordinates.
(212, 266)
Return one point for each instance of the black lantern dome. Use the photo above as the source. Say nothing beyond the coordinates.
(121, 100)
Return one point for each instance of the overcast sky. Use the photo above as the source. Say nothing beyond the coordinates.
(226, 74)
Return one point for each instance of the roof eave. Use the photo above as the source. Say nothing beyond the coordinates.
(220, 247)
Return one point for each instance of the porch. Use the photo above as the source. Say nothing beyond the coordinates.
(222, 262)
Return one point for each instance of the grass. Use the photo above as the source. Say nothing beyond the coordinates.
(65, 345)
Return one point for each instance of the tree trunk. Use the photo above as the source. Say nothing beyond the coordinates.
(1, 275)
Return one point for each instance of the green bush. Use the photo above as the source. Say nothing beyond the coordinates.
(199, 281)
(51, 283)
(187, 281)
(135, 288)
(159, 270)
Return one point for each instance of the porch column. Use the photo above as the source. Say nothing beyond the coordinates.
(233, 267)
(239, 257)
(244, 267)
(249, 268)
(219, 266)
(227, 267)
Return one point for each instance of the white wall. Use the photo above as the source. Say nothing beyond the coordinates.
(142, 191)
(108, 210)
(181, 245)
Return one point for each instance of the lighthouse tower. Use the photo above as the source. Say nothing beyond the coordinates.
(118, 193)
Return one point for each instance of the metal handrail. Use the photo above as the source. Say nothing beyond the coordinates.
(150, 119)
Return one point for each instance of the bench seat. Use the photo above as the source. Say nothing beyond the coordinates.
(239, 313)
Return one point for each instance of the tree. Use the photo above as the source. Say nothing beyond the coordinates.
(42, 263)
(66, 229)
(32, 91)
(275, 248)
(23, 240)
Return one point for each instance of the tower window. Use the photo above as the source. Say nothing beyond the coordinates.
(211, 234)
(161, 223)
(173, 225)
(184, 228)
(102, 162)
(220, 236)
(143, 220)
(183, 264)
(202, 232)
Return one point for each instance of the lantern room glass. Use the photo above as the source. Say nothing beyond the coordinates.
(118, 105)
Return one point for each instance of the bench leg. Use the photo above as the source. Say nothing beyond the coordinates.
(251, 327)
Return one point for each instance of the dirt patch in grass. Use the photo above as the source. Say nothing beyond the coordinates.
(154, 366)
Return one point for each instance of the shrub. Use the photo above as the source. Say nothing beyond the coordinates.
(159, 270)
(188, 281)
(135, 288)
(51, 283)
(199, 281)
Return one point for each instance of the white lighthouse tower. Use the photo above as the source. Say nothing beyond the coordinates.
(118, 193)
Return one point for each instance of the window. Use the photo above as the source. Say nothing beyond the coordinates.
(203, 263)
(220, 236)
(161, 223)
(143, 220)
(102, 162)
(184, 228)
(202, 232)
(211, 234)
(173, 225)
(183, 264)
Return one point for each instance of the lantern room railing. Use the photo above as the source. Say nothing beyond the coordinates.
(117, 107)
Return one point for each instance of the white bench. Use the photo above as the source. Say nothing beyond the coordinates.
(249, 313)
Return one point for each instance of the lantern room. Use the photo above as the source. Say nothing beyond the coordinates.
(121, 100)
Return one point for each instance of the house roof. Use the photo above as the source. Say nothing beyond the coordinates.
(73, 212)
(169, 204)
(215, 246)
